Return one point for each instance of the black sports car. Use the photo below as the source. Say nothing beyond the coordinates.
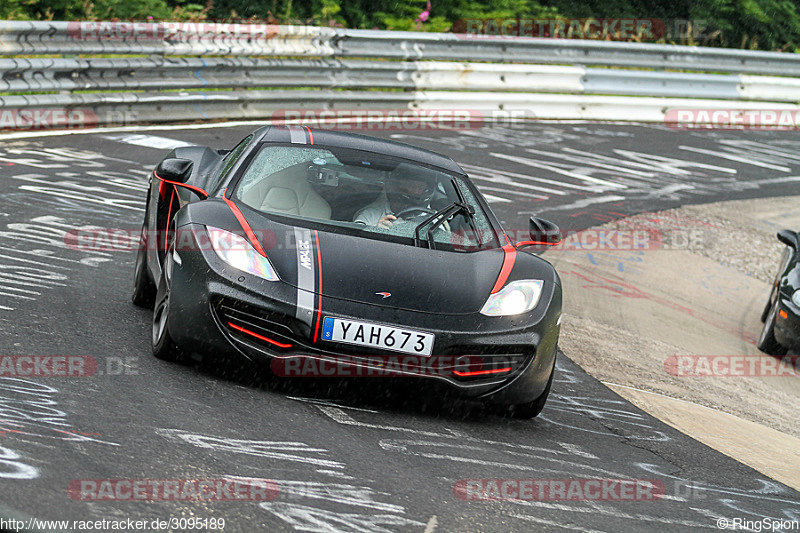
(346, 255)
(781, 315)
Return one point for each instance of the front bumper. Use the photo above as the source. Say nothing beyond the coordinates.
(215, 310)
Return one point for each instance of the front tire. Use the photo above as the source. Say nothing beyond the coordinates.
(144, 290)
(528, 410)
(163, 346)
(766, 341)
(773, 294)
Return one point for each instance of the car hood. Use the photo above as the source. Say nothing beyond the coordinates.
(384, 273)
(361, 269)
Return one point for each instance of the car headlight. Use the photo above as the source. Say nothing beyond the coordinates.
(796, 298)
(515, 298)
(240, 254)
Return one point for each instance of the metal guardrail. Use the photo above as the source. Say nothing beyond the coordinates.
(454, 47)
(159, 73)
(174, 73)
(122, 72)
(66, 38)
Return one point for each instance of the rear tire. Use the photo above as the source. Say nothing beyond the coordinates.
(164, 347)
(766, 341)
(528, 410)
(144, 290)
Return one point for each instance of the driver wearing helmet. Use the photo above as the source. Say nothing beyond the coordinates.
(408, 186)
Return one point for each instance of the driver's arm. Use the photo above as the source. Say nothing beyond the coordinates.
(369, 216)
(373, 215)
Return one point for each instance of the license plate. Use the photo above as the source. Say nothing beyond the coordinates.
(377, 336)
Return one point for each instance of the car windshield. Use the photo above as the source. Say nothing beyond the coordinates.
(369, 194)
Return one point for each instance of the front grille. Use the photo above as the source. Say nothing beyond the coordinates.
(236, 316)
(485, 363)
(259, 331)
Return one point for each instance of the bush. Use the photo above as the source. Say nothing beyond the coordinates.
(756, 24)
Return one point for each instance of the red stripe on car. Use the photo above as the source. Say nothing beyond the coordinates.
(179, 184)
(533, 243)
(169, 217)
(468, 373)
(508, 264)
(251, 236)
(260, 337)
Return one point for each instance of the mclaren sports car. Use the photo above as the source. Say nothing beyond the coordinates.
(317, 252)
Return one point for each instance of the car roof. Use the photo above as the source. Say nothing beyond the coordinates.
(357, 141)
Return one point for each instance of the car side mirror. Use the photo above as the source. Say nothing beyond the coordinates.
(174, 169)
(543, 233)
(788, 237)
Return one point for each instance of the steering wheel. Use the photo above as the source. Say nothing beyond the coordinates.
(418, 210)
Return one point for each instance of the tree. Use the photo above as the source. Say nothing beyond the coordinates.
(757, 24)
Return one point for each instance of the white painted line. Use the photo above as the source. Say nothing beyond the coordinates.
(330, 403)
(731, 157)
(770, 181)
(509, 191)
(537, 164)
(485, 171)
(576, 450)
(343, 418)
(580, 203)
(342, 493)
(306, 518)
(149, 141)
(496, 199)
(559, 524)
(591, 160)
(770, 490)
(335, 473)
(500, 179)
(663, 192)
(670, 165)
(430, 527)
(607, 510)
(279, 450)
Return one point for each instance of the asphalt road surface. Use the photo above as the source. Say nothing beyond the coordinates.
(347, 456)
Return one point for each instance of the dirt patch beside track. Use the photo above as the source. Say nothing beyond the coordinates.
(679, 316)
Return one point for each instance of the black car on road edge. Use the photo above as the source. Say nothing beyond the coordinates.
(781, 315)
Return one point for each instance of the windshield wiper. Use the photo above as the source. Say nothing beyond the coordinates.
(460, 206)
